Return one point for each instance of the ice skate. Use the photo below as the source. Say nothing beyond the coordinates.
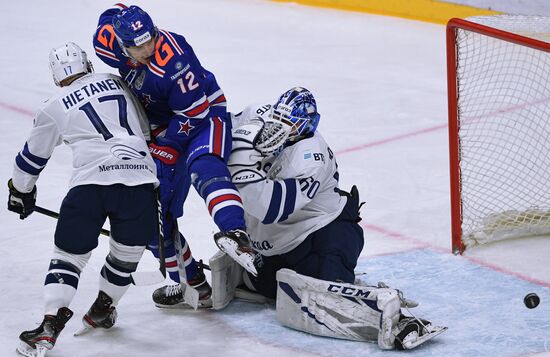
(171, 296)
(100, 315)
(236, 244)
(35, 343)
(413, 332)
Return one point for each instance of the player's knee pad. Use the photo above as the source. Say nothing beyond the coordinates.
(212, 180)
(207, 172)
(125, 253)
(121, 261)
(79, 261)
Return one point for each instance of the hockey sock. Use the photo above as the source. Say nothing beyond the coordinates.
(212, 180)
(191, 266)
(60, 285)
(121, 261)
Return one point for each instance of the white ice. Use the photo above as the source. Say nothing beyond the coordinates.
(380, 84)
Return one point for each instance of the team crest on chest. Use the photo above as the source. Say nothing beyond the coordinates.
(185, 128)
(138, 84)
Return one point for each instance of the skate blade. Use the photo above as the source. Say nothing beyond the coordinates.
(26, 350)
(246, 260)
(83, 330)
(434, 331)
(184, 306)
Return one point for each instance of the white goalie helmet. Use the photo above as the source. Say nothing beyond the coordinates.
(68, 60)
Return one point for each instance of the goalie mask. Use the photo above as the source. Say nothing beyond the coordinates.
(133, 27)
(298, 109)
(67, 61)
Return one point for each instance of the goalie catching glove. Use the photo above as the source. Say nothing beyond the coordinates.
(252, 142)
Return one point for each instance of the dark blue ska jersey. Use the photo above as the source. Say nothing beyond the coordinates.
(175, 90)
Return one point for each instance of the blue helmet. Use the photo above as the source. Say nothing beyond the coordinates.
(297, 108)
(133, 27)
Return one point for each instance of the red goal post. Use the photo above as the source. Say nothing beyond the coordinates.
(499, 109)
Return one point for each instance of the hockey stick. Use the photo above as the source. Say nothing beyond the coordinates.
(190, 294)
(162, 255)
(138, 278)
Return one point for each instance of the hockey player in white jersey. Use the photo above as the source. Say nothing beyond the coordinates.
(306, 232)
(114, 176)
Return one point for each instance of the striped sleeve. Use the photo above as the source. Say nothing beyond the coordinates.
(30, 163)
(36, 152)
(272, 201)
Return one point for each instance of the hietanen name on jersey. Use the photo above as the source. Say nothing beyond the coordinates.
(89, 90)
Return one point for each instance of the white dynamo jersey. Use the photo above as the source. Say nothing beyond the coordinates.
(105, 127)
(299, 197)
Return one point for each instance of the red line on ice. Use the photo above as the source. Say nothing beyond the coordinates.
(421, 244)
(16, 109)
(371, 227)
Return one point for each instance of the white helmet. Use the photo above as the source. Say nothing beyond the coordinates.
(67, 61)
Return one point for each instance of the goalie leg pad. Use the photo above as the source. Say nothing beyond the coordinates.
(226, 276)
(339, 310)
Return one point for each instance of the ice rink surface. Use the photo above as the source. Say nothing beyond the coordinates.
(380, 85)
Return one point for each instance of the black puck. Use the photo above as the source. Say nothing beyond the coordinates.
(531, 300)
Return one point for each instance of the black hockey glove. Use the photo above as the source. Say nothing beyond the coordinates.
(19, 202)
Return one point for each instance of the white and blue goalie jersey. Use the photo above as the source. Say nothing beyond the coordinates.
(299, 197)
(103, 124)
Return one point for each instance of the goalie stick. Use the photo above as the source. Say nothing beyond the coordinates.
(139, 278)
(190, 294)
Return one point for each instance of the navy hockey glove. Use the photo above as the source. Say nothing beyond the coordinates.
(20, 202)
(165, 158)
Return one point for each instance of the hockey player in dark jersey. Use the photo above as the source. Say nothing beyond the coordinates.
(187, 111)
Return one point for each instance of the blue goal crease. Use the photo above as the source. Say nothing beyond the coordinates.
(482, 307)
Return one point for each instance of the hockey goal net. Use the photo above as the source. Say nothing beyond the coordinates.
(499, 128)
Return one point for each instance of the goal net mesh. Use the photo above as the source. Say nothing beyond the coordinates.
(504, 131)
